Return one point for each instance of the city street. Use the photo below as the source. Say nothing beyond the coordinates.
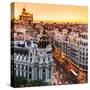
(60, 74)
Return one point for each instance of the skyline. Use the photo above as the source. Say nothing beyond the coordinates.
(53, 12)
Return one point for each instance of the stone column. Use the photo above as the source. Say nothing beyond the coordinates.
(51, 71)
(40, 73)
(29, 56)
(46, 74)
(16, 72)
(32, 73)
(24, 74)
(21, 73)
(35, 73)
(27, 76)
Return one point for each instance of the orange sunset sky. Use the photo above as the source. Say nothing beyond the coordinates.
(52, 12)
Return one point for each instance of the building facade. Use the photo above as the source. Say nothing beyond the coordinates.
(33, 61)
(74, 46)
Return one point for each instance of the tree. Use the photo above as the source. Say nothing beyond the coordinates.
(20, 81)
(37, 83)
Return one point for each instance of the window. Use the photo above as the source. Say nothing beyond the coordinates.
(30, 59)
(26, 58)
(86, 58)
(80, 53)
(86, 67)
(38, 59)
(83, 49)
(86, 62)
(30, 76)
(22, 57)
(48, 58)
(26, 75)
(83, 53)
(40, 52)
(30, 69)
(18, 66)
(43, 59)
(26, 67)
(83, 58)
(83, 61)
(43, 74)
(18, 57)
(18, 73)
(43, 69)
(80, 57)
(49, 72)
(83, 67)
(22, 66)
(31, 54)
(86, 54)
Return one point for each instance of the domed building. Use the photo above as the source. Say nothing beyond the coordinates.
(44, 54)
(34, 61)
(26, 18)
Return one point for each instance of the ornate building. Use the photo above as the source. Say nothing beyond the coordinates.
(33, 61)
(26, 18)
(74, 48)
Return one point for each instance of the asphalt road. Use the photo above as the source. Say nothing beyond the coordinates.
(61, 76)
